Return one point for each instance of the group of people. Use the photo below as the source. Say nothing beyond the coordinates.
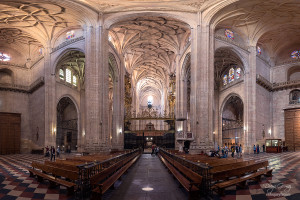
(256, 149)
(155, 149)
(225, 150)
(51, 152)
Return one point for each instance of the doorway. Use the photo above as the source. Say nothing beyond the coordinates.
(67, 125)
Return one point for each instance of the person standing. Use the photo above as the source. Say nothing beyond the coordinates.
(264, 147)
(157, 150)
(51, 154)
(240, 150)
(237, 150)
(153, 148)
(58, 151)
(254, 149)
(257, 149)
(232, 151)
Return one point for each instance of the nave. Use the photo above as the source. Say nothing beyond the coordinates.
(149, 173)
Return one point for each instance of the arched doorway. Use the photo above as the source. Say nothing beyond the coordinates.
(232, 122)
(67, 124)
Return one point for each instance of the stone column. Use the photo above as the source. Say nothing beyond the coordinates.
(102, 47)
(81, 120)
(118, 110)
(92, 90)
(202, 96)
(195, 43)
(250, 101)
(50, 104)
(178, 103)
(96, 89)
(212, 133)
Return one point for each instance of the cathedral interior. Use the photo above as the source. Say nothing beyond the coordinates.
(107, 82)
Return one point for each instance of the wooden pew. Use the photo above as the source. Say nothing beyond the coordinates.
(54, 178)
(225, 167)
(40, 175)
(105, 179)
(62, 165)
(190, 180)
(242, 173)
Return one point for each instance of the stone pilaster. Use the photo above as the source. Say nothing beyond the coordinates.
(250, 104)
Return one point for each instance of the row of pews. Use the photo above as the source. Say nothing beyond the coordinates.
(222, 172)
(92, 174)
(190, 180)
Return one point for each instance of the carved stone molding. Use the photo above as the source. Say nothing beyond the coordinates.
(225, 39)
(23, 89)
(66, 43)
(271, 87)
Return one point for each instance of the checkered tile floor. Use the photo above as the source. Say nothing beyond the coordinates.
(284, 184)
(18, 184)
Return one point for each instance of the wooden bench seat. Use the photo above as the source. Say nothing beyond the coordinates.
(102, 181)
(240, 171)
(54, 178)
(220, 187)
(189, 179)
(225, 167)
(182, 180)
(241, 175)
(62, 165)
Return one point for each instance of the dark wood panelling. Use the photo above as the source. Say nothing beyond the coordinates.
(10, 133)
(292, 129)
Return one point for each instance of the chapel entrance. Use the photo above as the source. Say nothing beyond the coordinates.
(67, 125)
(232, 122)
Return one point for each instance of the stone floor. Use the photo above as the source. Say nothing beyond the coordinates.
(148, 179)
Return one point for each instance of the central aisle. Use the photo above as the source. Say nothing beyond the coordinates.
(148, 179)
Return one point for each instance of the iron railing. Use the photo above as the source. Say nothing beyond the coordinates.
(87, 170)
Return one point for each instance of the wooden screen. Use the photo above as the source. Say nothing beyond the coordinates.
(292, 129)
(10, 133)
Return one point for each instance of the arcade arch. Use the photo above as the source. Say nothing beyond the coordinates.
(67, 124)
(233, 121)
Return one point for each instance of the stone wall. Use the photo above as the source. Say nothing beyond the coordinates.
(17, 102)
(37, 118)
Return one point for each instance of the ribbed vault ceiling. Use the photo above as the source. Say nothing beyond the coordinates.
(150, 46)
(273, 24)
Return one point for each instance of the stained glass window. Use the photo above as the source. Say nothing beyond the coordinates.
(225, 80)
(61, 74)
(258, 50)
(238, 73)
(231, 75)
(68, 76)
(74, 80)
(70, 35)
(295, 54)
(4, 57)
(229, 33)
(40, 51)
